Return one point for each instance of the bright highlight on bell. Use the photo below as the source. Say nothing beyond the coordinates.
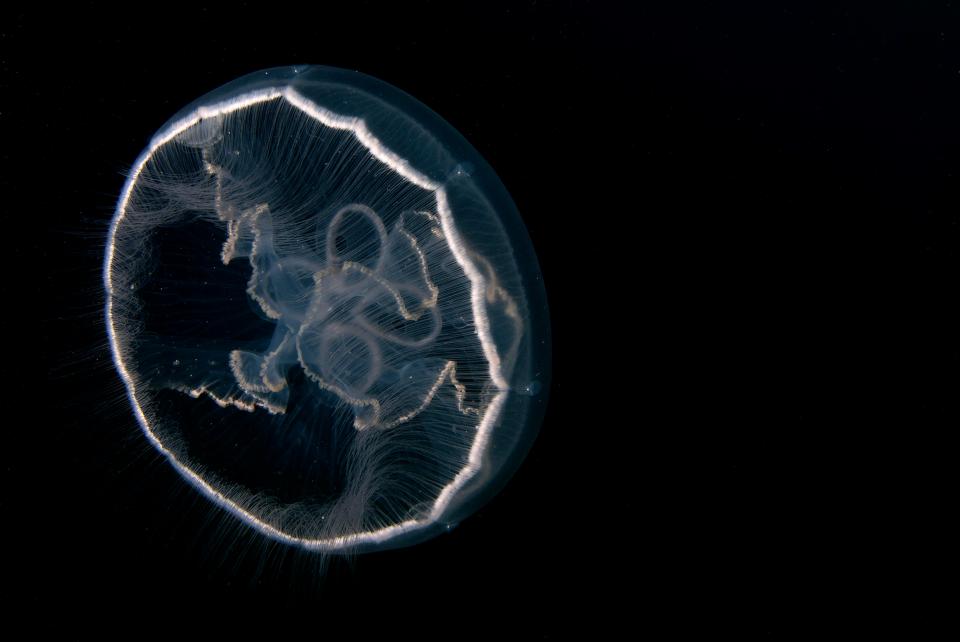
(326, 310)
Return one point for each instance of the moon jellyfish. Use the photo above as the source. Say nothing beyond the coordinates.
(326, 310)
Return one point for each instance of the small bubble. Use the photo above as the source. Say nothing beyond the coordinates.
(463, 169)
(532, 388)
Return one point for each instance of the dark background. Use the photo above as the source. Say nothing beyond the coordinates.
(747, 224)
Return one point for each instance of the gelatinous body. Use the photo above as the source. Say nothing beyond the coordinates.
(326, 310)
